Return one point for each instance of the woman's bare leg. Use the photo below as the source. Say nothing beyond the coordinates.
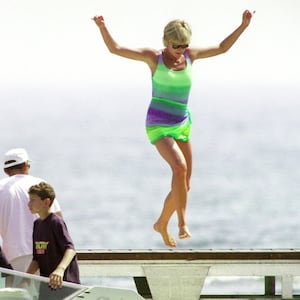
(186, 149)
(161, 224)
(178, 156)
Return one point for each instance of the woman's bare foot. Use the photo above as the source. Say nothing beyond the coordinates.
(167, 237)
(184, 232)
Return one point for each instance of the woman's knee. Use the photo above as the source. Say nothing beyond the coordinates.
(180, 168)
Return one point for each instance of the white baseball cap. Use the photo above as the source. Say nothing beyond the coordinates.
(15, 157)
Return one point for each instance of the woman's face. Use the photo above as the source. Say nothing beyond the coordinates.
(176, 49)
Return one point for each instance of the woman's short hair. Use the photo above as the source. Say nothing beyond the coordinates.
(177, 32)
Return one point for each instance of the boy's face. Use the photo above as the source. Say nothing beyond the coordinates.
(36, 204)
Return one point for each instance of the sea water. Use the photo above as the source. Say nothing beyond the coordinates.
(90, 144)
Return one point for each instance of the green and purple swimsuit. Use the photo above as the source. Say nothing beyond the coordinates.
(168, 113)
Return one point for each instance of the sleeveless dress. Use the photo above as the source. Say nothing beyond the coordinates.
(168, 113)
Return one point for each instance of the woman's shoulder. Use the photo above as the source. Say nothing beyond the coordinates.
(151, 57)
(151, 53)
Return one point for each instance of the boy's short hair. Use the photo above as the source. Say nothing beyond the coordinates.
(43, 190)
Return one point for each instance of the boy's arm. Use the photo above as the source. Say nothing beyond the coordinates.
(33, 267)
(56, 277)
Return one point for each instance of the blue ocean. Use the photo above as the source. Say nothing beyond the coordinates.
(89, 142)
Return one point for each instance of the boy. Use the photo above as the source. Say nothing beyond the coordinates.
(53, 249)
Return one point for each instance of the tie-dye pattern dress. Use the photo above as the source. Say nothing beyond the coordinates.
(168, 113)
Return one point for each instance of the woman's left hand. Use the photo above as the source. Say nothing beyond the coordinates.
(98, 20)
(247, 15)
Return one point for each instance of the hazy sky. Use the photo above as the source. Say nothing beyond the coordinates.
(55, 42)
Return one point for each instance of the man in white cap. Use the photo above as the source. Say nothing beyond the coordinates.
(16, 221)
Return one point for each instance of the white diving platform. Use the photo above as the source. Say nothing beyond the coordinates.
(180, 274)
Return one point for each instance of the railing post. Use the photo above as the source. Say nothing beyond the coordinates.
(287, 287)
(142, 286)
(270, 286)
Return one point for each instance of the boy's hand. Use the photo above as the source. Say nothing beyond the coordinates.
(56, 278)
(24, 284)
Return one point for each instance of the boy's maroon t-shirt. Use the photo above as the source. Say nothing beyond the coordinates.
(50, 241)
